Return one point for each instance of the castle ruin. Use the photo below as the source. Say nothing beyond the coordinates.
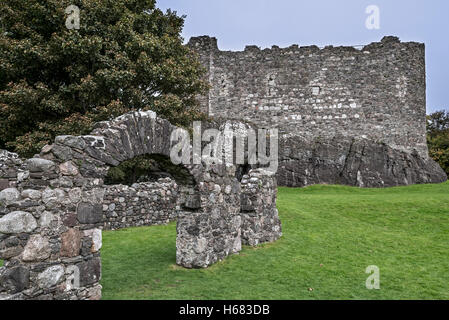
(53, 208)
(346, 115)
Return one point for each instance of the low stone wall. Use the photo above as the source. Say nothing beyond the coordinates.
(260, 219)
(142, 204)
(50, 237)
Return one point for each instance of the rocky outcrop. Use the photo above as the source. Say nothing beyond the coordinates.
(354, 162)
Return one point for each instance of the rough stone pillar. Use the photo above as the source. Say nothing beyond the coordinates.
(208, 229)
(260, 219)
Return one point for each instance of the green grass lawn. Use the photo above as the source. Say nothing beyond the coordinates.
(331, 234)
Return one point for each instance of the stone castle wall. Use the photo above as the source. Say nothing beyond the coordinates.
(50, 231)
(378, 92)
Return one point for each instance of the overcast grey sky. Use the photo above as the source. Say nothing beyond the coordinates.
(264, 23)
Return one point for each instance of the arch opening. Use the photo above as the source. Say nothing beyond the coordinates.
(146, 190)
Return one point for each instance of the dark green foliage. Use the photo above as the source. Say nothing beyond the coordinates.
(127, 55)
(438, 138)
(148, 168)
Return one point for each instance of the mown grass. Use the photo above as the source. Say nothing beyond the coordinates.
(331, 235)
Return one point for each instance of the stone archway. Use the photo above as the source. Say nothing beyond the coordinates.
(51, 221)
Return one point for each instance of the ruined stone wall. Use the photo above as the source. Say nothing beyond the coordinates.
(378, 92)
(210, 228)
(142, 204)
(260, 219)
(54, 206)
(50, 232)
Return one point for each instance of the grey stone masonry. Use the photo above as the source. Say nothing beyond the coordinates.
(210, 229)
(376, 93)
(49, 251)
(10, 172)
(54, 207)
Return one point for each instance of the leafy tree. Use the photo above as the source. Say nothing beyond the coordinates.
(126, 55)
(437, 122)
(438, 138)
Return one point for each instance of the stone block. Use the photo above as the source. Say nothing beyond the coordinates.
(89, 213)
(4, 184)
(15, 279)
(9, 195)
(89, 271)
(68, 169)
(39, 165)
(50, 277)
(70, 243)
(17, 222)
(37, 249)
